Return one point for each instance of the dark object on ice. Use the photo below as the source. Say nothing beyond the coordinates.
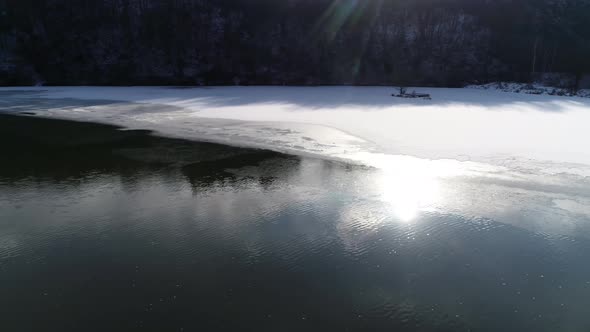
(402, 94)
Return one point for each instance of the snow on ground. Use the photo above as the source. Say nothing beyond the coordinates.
(532, 89)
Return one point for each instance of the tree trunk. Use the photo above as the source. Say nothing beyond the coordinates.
(579, 75)
(534, 69)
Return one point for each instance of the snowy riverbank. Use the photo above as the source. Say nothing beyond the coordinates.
(531, 89)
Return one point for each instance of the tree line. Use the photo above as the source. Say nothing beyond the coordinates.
(291, 42)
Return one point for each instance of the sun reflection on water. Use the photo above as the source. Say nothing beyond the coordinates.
(408, 192)
(409, 184)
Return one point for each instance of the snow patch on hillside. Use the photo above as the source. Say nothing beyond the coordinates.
(531, 89)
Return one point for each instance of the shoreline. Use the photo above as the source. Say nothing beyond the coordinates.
(178, 151)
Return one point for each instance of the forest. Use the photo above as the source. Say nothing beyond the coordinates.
(292, 42)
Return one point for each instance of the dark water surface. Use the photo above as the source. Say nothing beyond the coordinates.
(110, 230)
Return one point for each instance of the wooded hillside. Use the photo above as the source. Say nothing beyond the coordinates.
(294, 42)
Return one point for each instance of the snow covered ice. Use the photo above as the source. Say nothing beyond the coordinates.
(463, 124)
(498, 147)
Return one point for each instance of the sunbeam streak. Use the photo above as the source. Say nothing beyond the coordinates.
(335, 17)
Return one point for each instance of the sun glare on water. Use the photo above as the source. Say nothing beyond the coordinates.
(408, 192)
(410, 185)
